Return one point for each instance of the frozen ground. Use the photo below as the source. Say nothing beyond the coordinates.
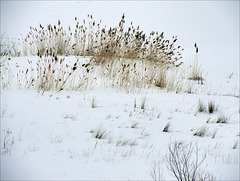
(52, 136)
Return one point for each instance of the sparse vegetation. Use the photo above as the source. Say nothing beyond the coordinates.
(214, 133)
(93, 102)
(184, 162)
(208, 120)
(33, 148)
(99, 133)
(201, 132)
(71, 117)
(212, 107)
(144, 133)
(3, 111)
(201, 107)
(134, 125)
(235, 145)
(158, 115)
(156, 172)
(166, 128)
(56, 139)
(134, 105)
(129, 142)
(143, 102)
(196, 70)
(222, 119)
(8, 142)
(123, 59)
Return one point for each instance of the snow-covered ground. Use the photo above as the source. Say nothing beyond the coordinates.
(54, 135)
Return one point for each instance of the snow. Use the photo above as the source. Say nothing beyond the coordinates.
(53, 139)
(50, 135)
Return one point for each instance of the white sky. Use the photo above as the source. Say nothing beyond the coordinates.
(214, 25)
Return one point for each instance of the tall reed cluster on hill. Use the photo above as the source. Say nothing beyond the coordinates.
(91, 39)
(119, 57)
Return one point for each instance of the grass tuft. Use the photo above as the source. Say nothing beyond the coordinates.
(99, 133)
(201, 132)
(196, 70)
(129, 142)
(93, 102)
(222, 119)
(235, 145)
(143, 102)
(166, 128)
(134, 125)
(201, 107)
(212, 107)
(214, 133)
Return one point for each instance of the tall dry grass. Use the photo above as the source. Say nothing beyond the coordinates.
(121, 58)
(71, 73)
(90, 38)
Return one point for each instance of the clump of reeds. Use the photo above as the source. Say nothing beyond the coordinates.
(57, 73)
(123, 57)
(196, 69)
(89, 38)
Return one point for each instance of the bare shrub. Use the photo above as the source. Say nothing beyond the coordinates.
(156, 172)
(184, 162)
